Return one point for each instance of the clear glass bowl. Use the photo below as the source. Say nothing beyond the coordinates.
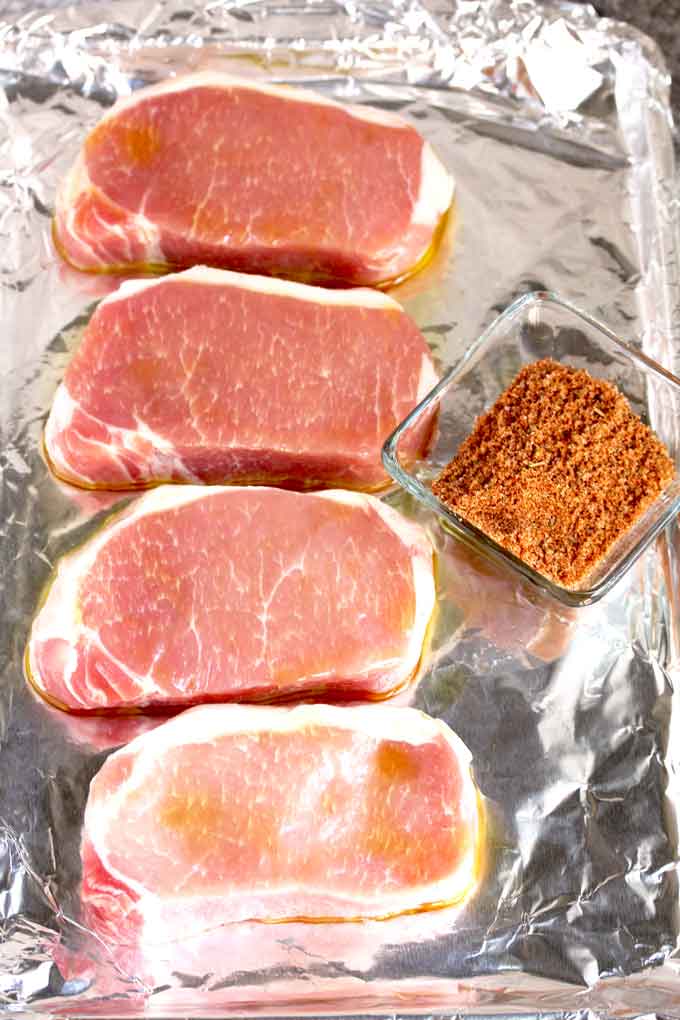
(540, 325)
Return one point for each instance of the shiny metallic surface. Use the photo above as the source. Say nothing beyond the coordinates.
(557, 130)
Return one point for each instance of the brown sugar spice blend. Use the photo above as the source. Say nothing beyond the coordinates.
(556, 471)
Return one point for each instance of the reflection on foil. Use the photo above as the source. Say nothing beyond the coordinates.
(550, 121)
(558, 69)
(224, 955)
(99, 732)
(508, 613)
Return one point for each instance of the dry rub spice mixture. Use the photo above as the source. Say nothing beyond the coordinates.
(556, 471)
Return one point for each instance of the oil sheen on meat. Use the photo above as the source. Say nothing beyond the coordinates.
(212, 376)
(232, 813)
(253, 177)
(196, 594)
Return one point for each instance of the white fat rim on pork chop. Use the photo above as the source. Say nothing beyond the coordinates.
(78, 181)
(59, 616)
(165, 462)
(162, 463)
(207, 724)
(358, 297)
(437, 185)
(221, 80)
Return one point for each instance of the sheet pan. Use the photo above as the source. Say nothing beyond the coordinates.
(556, 126)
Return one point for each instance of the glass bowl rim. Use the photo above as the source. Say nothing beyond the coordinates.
(462, 529)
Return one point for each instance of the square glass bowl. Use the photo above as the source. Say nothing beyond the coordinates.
(541, 325)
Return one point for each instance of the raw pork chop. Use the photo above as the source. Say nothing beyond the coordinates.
(252, 177)
(239, 594)
(232, 812)
(212, 376)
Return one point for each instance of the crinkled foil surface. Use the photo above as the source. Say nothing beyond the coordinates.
(556, 127)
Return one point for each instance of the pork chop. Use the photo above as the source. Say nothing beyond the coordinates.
(197, 594)
(230, 813)
(253, 177)
(212, 376)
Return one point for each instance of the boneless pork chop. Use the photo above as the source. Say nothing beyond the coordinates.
(199, 594)
(232, 812)
(252, 177)
(212, 376)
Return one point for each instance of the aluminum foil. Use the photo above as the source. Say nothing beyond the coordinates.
(556, 126)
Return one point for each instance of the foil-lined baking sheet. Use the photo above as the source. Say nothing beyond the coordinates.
(557, 129)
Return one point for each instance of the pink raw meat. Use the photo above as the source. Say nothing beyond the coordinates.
(197, 594)
(211, 376)
(253, 177)
(231, 813)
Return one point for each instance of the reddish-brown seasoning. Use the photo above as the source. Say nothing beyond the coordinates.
(556, 471)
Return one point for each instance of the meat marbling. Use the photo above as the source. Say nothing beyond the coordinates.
(213, 376)
(230, 813)
(197, 594)
(253, 177)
